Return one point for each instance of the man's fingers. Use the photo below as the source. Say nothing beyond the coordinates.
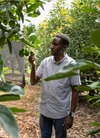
(32, 59)
(67, 126)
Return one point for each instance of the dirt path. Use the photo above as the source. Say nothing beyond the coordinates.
(28, 122)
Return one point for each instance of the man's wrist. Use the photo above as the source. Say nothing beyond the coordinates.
(33, 65)
(72, 114)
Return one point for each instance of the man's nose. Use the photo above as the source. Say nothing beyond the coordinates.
(52, 46)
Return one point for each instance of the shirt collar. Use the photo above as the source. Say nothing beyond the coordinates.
(60, 60)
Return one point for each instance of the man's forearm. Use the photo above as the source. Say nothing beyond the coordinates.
(74, 99)
(33, 75)
(33, 78)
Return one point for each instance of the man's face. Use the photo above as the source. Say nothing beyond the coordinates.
(56, 47)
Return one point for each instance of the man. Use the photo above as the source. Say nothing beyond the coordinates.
(58, 97)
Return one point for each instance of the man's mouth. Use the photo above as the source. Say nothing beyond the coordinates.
(52, 50)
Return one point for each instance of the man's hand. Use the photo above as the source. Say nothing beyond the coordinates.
(32, 59)
(68, 122)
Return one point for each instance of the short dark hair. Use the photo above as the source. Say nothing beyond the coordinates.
(64, 38)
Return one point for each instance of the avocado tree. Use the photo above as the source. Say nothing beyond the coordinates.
(85, 15)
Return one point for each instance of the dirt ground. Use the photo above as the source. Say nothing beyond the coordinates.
(28, 122)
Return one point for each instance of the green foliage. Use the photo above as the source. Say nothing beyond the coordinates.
(69, 70)
(8, 122)
(94, 99)
(16, 110)
(1, 64)
(9, 97)
(95, 37)
(11, 15)
(95, 131)
(93, 86)
(12, 89)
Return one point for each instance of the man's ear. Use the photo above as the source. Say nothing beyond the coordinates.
(65, 46)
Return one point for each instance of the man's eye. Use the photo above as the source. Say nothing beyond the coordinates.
(55, 44)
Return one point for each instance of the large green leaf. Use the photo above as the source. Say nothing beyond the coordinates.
(95, 131)
(91, 98)
(9, 46)
(93, 86)
(33, 7)
(9, 97)
(82, 65)
(1, 64)
(8, 122)
(83, 88)
(97, 102)
(2, 41)
(33, 15)
(32, 38)
(12, 23)
(95, 123)
(95, 37)
(17, 110)
(12, 89)
(69, 70)
(60, 75)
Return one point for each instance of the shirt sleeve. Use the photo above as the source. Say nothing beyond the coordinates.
(75, 80)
